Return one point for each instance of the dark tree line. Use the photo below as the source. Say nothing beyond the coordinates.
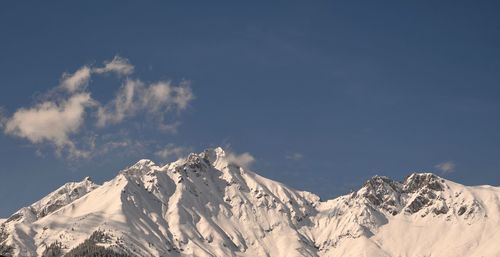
(89, 247)
(53, 250)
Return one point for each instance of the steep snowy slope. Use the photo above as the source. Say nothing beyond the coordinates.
(22, 223)
(204, 205)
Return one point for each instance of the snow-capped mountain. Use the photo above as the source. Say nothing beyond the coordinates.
(204, 205)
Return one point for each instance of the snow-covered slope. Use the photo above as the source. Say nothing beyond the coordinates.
(204, 205)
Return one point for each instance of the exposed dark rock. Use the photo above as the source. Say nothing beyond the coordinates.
(382, 191)
(461, 210)
(417, 204)
(417, 181)
(391, 196)
(5, 250)
(442, 210)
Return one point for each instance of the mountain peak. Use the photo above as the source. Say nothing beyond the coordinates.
(213, 154)
(217, 157)
(219, 151)
(59, 198)
(144, 162)
(415, 193)
(382, 192)
(143, 165)
(376, 180)
(202, 205)
(417, 181)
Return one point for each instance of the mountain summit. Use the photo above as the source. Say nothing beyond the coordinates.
(206, 205)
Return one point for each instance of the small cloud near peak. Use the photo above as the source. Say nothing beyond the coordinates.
(244, 160)
(446, 167)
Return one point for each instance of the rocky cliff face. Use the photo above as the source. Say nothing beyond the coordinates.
(419, 193)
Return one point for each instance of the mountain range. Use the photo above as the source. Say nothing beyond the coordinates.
(206, 205)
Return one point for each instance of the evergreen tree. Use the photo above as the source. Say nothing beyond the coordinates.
(53, 250)
(89, 247)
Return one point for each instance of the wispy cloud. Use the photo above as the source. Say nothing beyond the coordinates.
(446, 167)
(76, 81)
(80, 78)
(294, 156)
(135, 97)
(59, 117)
(118, 65)
(172, 151)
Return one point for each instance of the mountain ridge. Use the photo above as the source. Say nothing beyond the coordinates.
(205, 205)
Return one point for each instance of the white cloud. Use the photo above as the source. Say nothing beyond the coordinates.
(134, 97)
(121, 106)
(182, 95)
(165, 96)
(58, 118)
(171, 151)
(118, 65)
(446, 167)
(51, 122)
(244, 160)
(294, 156)
(79, 80)
(76, 81)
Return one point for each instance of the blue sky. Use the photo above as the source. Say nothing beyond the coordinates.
(320, 94)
